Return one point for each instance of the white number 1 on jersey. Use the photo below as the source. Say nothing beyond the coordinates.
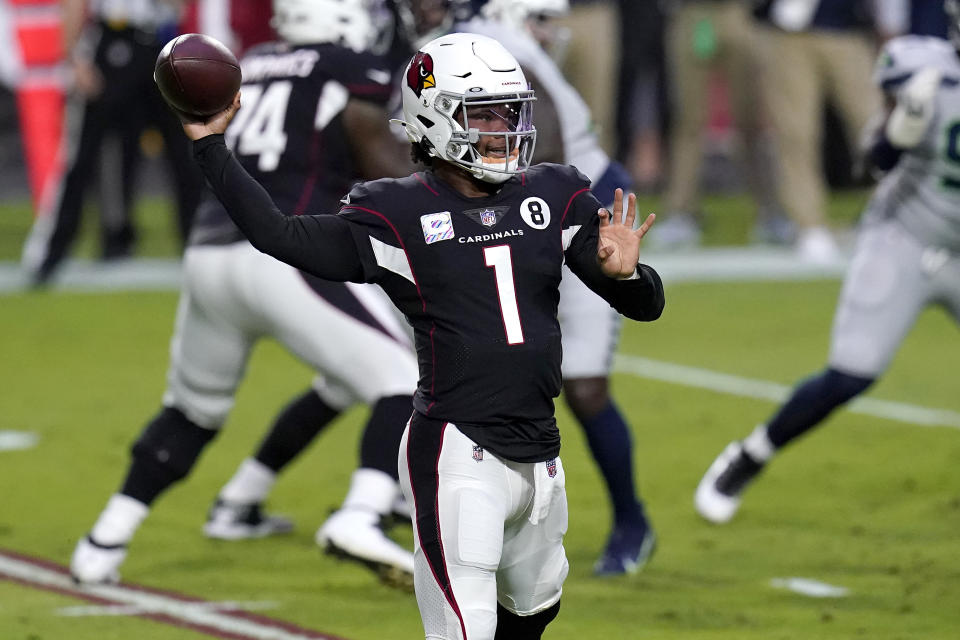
(499, 258)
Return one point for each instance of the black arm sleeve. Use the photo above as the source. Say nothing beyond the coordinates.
(639, 299)
(882, 154)
(321, 245)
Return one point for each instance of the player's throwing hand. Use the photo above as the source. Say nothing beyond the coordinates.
(217, 123)
(618, 250)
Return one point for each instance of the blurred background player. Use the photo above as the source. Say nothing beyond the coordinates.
(590, 328)
(704, 38)
(907, 256)
(313, 122)
(112, 46)
(814, 53)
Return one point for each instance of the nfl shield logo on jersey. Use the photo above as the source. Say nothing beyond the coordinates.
(552, 467)
(478, 453)
(488, 217)
(437, 227)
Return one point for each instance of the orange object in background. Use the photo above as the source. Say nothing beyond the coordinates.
(41, 128)
(40, 92)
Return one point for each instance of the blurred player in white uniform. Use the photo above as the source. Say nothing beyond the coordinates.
(591, 328)
(907, 256)
(314, 122)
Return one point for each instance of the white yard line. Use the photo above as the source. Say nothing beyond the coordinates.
(198, 615)
(138, 610)
(810, 588)
(713, 264)
(774, 392)
(14, 440)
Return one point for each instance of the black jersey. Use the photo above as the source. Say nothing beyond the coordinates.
(477, 278)
(289, 134)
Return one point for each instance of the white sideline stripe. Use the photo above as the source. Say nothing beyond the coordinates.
(155, 603)
(712, 264)
(809, 587)
(136, 610)
(765, 390)
(13, 440)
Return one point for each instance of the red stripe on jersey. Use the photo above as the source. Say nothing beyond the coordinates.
(432, 190)
(423, 302)
(569, 202)
(307, 193)
(446, 585)
(564, 216)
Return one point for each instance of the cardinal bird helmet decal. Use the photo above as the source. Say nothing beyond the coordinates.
(464, 88)
(420, 73)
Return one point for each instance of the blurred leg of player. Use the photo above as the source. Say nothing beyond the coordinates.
(591, 330)
(238, 512)
(232, 296)
(891, 279)
(488, 536)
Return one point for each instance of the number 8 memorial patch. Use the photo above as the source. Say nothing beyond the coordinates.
(535, 212)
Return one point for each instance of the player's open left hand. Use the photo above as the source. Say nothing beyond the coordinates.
(619, 248)
(217, 123)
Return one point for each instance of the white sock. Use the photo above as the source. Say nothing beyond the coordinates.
(119, 520)
(758, 445)
(252, 483)
(371, 490)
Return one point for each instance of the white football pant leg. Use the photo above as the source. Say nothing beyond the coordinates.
(590, 330)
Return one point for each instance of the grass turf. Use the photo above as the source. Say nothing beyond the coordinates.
(863, 503)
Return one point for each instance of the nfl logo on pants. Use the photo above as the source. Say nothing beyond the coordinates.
(552, 467)
(477, 453)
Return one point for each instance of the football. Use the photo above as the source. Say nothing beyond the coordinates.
(197, 75)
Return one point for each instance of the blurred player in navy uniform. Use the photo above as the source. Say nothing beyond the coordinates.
(313, 123)
(471, 251)
(112, 55)
(907, 256)
(590, 328)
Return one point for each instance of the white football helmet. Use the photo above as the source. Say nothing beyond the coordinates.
(345, 22)
(447, 80)
(517, 12)
(536, 17)
(421, 21)
(952, 9)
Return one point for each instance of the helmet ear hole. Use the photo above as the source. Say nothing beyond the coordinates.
(425, 121)
(426, 147)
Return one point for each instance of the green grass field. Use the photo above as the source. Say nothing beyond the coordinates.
(864, 503)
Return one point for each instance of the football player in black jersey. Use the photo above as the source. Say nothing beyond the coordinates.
(313, 124)
(471, 252)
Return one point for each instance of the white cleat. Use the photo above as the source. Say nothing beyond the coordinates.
(817, 246)
(236, 521)
(96, 564)
(718, 495)
(355, 534)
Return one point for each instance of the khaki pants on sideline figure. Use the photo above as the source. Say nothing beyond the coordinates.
(802, 71)
(591, 63)
(704, 37)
